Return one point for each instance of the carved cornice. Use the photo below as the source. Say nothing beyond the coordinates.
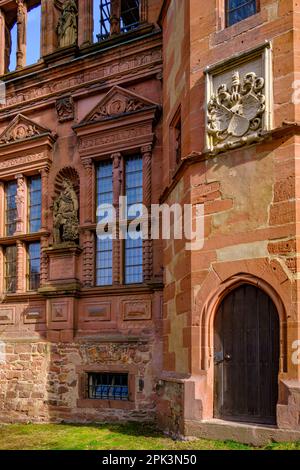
(69, 79)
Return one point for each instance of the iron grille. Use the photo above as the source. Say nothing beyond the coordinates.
(108, 386)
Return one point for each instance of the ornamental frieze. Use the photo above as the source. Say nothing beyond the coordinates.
(75, 81)
(239, 95)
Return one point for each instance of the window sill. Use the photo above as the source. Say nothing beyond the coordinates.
(241, 27)
(106, 404)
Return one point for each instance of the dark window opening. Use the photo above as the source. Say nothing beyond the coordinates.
(238, 10)
(106, 386)
(130, 14)
(115, 17)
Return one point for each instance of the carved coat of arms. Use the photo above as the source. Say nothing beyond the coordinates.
(234, 114)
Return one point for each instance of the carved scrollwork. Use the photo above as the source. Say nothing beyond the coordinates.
(235, 113)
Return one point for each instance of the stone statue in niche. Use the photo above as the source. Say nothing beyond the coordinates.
(65, 215)
(67, 28)
(234, 114)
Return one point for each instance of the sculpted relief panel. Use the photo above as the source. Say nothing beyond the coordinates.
(239, 101)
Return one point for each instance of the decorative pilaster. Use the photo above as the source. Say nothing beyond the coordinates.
(20, 204)
(44, 179)
(44, 261)
(147, 199)
(85, 22)
(21, 33)
(3, 42)
(144, 11)
(115, 17)
(88, 258)
(88, 195)
(117, 186)
(21, 263)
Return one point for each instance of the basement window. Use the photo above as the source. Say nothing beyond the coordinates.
(105, 386)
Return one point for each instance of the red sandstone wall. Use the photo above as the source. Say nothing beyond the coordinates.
(249, 196)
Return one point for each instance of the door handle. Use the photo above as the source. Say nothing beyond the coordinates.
(227, 357)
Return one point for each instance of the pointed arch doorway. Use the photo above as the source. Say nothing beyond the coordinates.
(246, 357)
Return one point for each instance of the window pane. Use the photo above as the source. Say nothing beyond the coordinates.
(134, 180)
(35, 203)
(33, 52)
(104, 247)
(133, 261)
(11, 269)
(130, 14)
(237, 10)
(103, 13)
(11, 208)
(34, 266)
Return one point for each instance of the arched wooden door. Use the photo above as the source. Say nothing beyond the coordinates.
(246, 357)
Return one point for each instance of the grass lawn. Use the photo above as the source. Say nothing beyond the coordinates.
(107, 437)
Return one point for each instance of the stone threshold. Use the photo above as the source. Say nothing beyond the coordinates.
(253, 434)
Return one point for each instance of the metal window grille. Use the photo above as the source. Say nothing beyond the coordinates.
(34, 203)
(34, 266)
(105, 386)
(11, 269)
(105, 14)
(238, 10)
(10, 208)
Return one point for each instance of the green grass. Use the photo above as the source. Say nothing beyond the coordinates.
(107, 437)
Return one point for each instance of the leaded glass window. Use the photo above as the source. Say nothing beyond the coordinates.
(35, 203)
(34, 266)
(134, 242)
(104, 245)
(11, 269)
(10, 208)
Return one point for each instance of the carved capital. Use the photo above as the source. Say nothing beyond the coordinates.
(146, 149)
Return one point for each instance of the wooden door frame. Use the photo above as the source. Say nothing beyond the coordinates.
(219, 380)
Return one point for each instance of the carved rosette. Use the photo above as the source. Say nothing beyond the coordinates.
(147, 199)
(235, 112)
(117, 185)
(88, 258)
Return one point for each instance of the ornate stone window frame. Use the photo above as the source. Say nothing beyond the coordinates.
(263, 53)
(121, 124)
(25, 150)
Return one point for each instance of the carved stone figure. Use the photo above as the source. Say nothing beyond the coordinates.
(20, 201)
(65, 215)
(21, 33)
(235, 114)
(67, 29)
